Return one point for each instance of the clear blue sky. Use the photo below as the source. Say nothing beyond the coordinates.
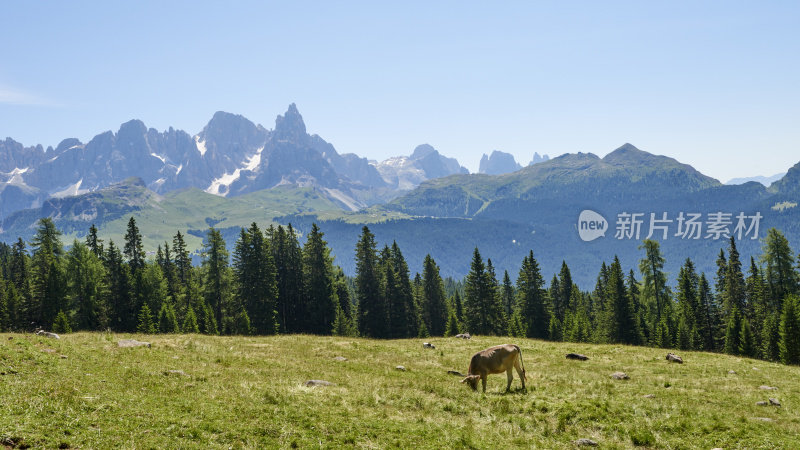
(713, 84)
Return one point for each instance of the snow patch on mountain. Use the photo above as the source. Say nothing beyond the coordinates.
(71, 190)
(221, 185)
(201, 145)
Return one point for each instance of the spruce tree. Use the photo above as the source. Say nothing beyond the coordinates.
(287, 254)
(778, 260)
(87, 290)
(790, 332)
(746, 345)
(217, 277)
(47, 274)
(372, 311)
(620, 321)
(733, 332)
(256, 284)
(770, 338)
(167, 320)
(134, 250)
(190, 322)
(61, 323)
(531, 299)
(654, 281)
(708, 317)
(734, 293)
(435, 304)
(121, 313)
(318, 284)
(146, 325)
(94, 243)
(482, 311)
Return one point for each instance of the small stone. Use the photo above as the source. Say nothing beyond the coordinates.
(762, 403)
(127, 343)
(48, 350)
(650, 396)
(428, 345)
(463, 336)
(620, 376)
(768, 388)
(312, 383)
(577, 356)
(340, 358)
(674, 358)
(584, 441)
(731, 372)
(756, 368)
(176, 372)
(401, 368)
(774, 402)
(62, 356)
(763, 419)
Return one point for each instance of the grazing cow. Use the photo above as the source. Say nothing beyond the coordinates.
(498, 359)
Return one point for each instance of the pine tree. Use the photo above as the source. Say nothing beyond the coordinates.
(531, 299)
(372, 311)
(507, 295)
(790, 332)
(146, 324)
(318, 284)
(61, 323)
(435, 304)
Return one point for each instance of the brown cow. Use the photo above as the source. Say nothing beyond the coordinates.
(498, 359)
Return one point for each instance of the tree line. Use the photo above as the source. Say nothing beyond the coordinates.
(272, 284)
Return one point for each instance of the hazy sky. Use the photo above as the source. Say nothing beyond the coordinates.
(712, 84)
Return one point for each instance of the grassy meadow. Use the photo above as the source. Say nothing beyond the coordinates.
(194, 391)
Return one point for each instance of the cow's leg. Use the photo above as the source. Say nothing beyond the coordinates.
(510, 376)
(483, 380)
(520, 372)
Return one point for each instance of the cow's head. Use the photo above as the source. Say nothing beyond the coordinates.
(472, 381)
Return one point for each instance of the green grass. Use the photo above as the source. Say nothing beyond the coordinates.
(244, 392)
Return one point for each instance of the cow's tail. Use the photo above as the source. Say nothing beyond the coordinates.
(521, 362)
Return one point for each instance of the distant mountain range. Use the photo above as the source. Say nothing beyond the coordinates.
(766, 181)
(231, 156)
(235, 172)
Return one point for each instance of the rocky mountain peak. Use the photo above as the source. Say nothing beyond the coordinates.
(290, 126)
(498, 163)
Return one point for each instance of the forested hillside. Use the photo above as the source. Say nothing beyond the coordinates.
(269, 283)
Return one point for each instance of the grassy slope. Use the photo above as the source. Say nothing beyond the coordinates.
(189, 209)
(248, 392)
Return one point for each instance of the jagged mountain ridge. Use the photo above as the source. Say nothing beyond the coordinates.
(230, 156)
